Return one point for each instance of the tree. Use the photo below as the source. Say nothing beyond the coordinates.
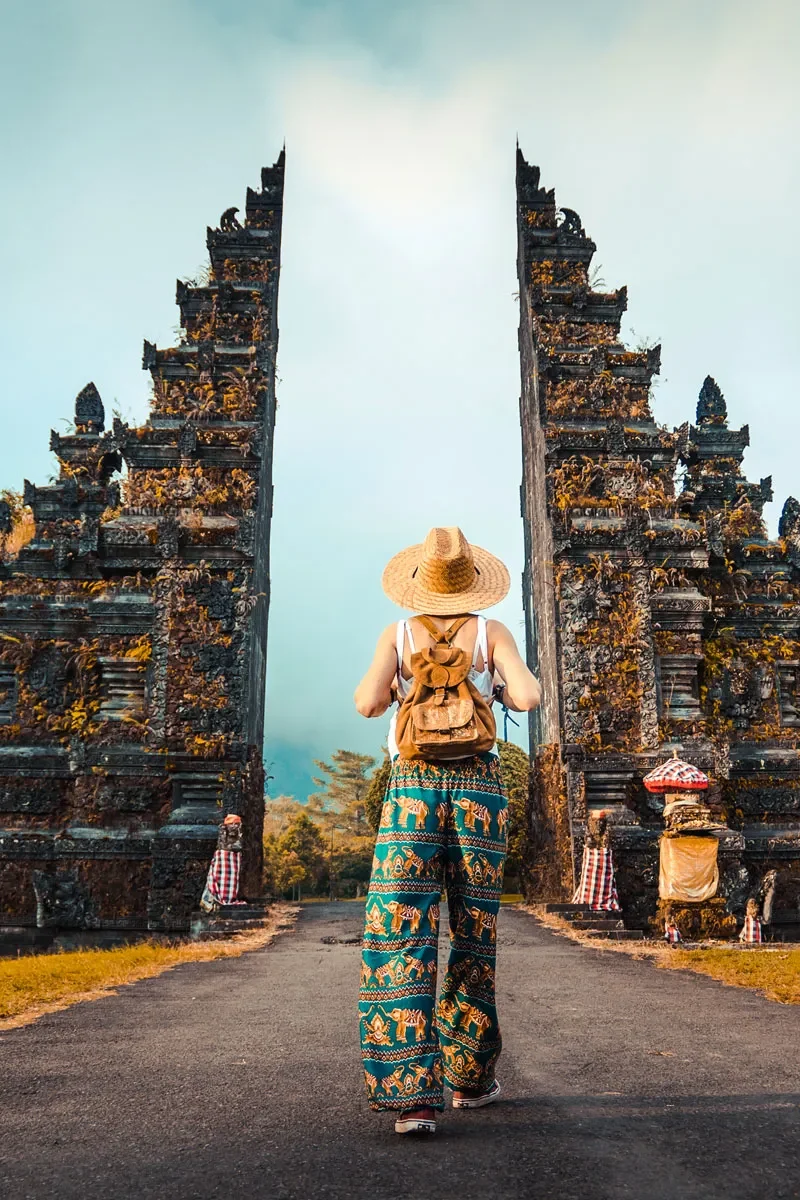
(339, 807)
(296, 858)
(344, 790)
(305, 840)
(376, 792)
(279, 811)
(515, 772)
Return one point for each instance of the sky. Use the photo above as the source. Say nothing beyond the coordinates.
(127, 129)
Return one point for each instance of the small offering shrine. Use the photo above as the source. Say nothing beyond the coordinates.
(688, 879)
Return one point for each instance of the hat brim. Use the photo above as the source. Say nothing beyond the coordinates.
(491, 585)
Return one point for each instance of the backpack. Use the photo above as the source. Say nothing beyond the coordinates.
(444, 715)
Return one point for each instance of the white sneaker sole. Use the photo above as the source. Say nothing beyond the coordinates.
(479, 1101)
(417, 1125)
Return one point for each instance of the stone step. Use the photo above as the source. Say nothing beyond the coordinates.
(598, 923)
(616, 935)
(225, 921)
(589, 914)
(228, 923)
(563, 910)
(241, 910)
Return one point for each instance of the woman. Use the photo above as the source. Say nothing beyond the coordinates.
(441, 820)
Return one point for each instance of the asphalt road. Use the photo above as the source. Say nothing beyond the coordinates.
(241, 1078)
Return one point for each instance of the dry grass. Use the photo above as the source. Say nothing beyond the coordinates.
(41, 983)
(774, 971)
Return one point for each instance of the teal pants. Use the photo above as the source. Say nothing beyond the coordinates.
(441, 824)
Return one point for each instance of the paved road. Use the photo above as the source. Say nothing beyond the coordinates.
(241, 1078)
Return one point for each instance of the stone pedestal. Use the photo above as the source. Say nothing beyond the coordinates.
(707, 919)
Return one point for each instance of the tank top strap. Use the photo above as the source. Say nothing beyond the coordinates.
(400, 644)
(481, 645)
(403, 632)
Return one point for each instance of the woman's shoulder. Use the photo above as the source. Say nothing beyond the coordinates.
(496, 629)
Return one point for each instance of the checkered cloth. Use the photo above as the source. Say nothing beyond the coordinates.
(751, 932)
(222, 881)
(597, 887)
(672, 934)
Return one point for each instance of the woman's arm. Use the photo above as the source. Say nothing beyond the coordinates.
(522, 691)
(374, 693)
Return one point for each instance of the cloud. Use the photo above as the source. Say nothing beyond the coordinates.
(670, 128)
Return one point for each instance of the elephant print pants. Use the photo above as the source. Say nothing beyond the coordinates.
(440, 821)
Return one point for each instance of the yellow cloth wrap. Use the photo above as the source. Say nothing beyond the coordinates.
(689, 868)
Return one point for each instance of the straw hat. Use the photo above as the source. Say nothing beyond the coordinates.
(445, 575)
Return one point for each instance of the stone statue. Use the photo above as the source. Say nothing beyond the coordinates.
(766, 894)
(597, 887)
(751, 934)
(222, 881)
(228, 222)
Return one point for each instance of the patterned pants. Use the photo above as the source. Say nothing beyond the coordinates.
(440, 822)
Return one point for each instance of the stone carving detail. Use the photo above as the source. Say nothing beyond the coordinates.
(571, 222)
(89, 412)
(662, 618)
(228, 222)
(61, 902)
(134, 613)
(789, 524)
(711, 406)
(679, 690)
(8, 695)
(123, 688)
(787, 692)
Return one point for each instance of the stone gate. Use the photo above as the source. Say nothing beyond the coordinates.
(659, 618)
(133, 618)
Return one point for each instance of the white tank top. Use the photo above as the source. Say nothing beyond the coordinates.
(483, 680)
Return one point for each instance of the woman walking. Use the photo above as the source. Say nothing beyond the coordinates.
(444, 820)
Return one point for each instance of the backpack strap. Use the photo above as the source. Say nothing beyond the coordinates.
(442, 635)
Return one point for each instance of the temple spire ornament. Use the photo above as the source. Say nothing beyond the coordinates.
(711, 406)
(89, 412)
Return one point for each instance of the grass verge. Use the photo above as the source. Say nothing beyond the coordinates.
(41, 983)
(774, 970)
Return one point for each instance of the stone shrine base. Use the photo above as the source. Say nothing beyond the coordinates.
(696, 921)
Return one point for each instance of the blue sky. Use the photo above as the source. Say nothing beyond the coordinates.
(670, 128)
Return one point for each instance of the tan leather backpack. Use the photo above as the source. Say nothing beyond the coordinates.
(444, 715)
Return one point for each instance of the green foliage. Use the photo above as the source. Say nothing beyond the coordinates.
(515, 770)
(296, 858)
(340, 805)
(279, 811)
(376, 792)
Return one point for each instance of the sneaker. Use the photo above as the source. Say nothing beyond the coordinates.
(478, 1101)
(405, 1124)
